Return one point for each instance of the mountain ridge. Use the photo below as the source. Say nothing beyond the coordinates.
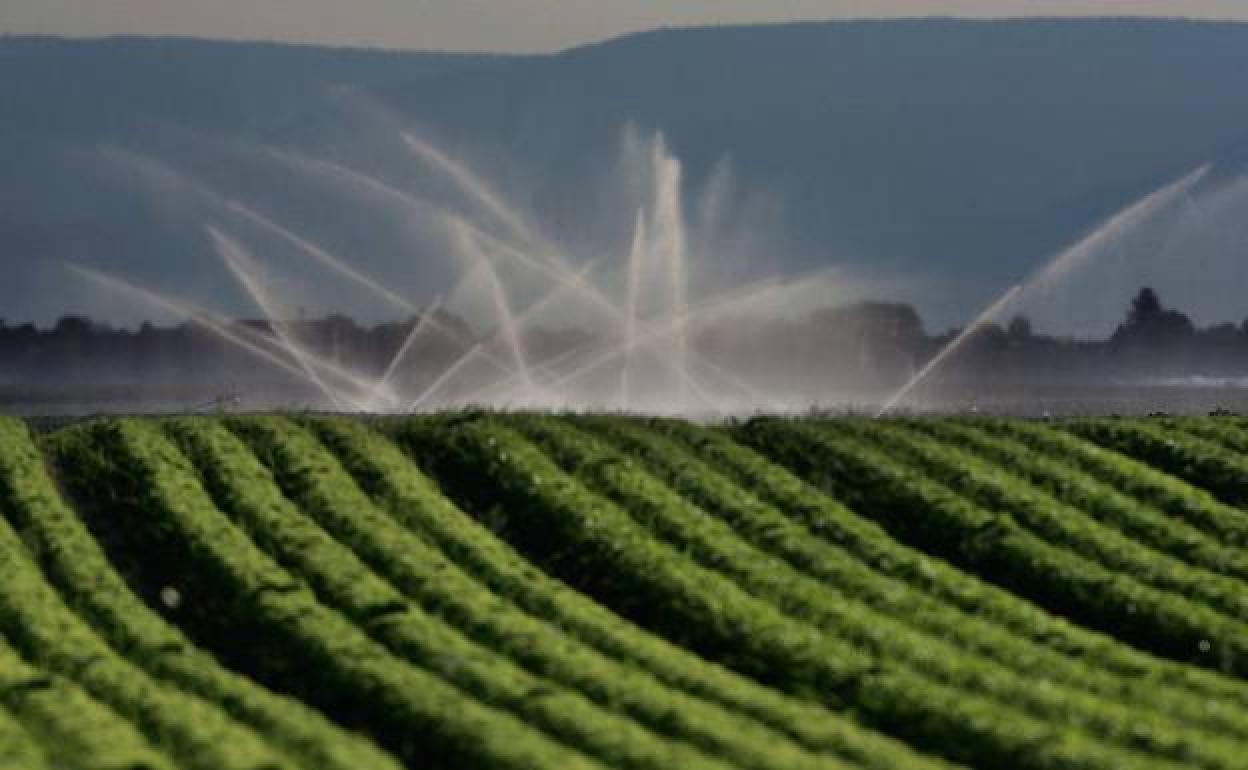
(923, 146)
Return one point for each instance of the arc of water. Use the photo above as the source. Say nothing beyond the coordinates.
(477, 187)
(636, 254)
(507, 323)
(696, 315)
(746, 295)
(672, 249)
(336, 372)
(317, 252)
(524, 317)
(987, 316)
(305, 246)
(341, 267)
(668, 180)
(239, 263)
(1131, 216)
(559, 271)
(194, 315)
(426, 319)
(408, 201)
(324, 257)
(418, 328)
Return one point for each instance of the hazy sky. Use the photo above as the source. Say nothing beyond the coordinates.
(510, 25)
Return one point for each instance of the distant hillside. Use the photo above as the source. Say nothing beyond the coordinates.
(947, 148)
(63, 88)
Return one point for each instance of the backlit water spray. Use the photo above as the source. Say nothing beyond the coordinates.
(1057, 268)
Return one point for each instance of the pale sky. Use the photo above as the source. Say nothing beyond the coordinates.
(513, 25)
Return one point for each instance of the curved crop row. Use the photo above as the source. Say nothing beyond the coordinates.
(1226, 432)
(49, 634)
(1220, 601)
(829, 519)
(1178, 499)
(585, 536)
(306, 646)
(75, 563)
(1101, 501)
(74, 731)
(250, 494)
(774, 532)
(415, 502)
(428, 575)
(903, 650)
(1198, 461)
(936, 517)
(19, 748)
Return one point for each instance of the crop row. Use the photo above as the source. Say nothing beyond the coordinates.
(564, 674)
(76, 565)
(396, 485)
(889, 639)
(48, 633)
(1196, 459)
(614, 553)
(1134, 518)
(988, 540)
(1178, 499)
(1217, 600)
(297, 642)
(829, 519)
(54, 722)
(518, 591)
(769, 529)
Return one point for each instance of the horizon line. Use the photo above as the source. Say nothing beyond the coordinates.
(383, 48)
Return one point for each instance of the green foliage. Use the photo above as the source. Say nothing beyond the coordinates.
(522, 591)
(978, 522)
(1200, 461)
(321, 487)
(77, 565)
(917, 609)
(415, 501)
(48, 633)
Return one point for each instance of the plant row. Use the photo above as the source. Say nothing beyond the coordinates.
(890, 640)
(773, 531)
(74, 562)
(1178, 499)
(641, 660)
(989, 541)
(618, 557)
(829, 519)
(274, 626)
(338, 514)
(1199, 461)
(51, 721)
(1134, 518)
(36, 621)
(1216, 599)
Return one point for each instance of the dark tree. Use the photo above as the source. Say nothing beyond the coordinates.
(1145, 308)
(1150, 324)
(1019, 329)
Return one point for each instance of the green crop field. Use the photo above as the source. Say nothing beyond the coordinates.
(520, 591)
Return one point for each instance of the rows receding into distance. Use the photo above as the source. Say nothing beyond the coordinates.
(479, 590)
